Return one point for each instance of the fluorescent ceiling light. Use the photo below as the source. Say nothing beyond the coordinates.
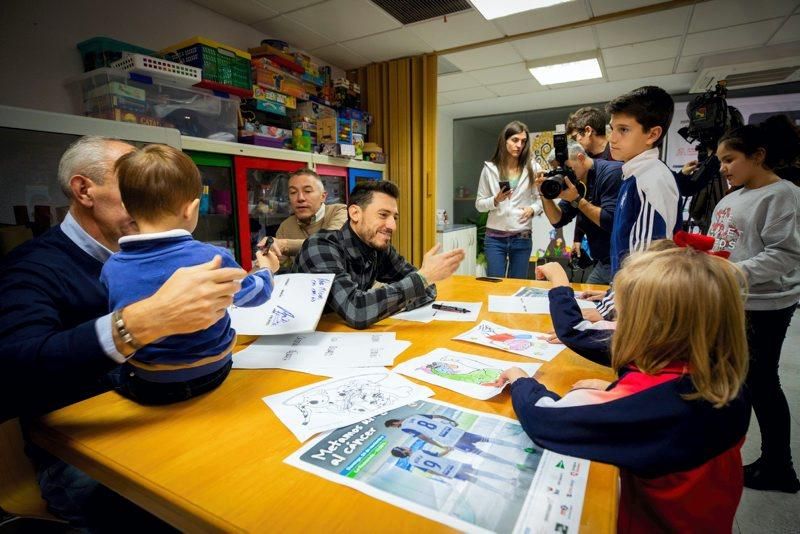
(572, 71)
(494, 9)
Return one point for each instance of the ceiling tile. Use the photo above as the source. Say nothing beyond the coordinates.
(485, 57)
(453, 82)
(293, 33)
(556, 44)
(723, 13)
(342, 20)
(539, 19)
(247, 11)
(282, 6)
(460, 29)
(641, 52)
(688, 63)
(788, 32)
(443, 100)
(388, 45)
(504, 74)
(604, 7)
(642, 70)
(643, 28)
(465, 95)
(340, 56)
(744, 36)
(517, 88)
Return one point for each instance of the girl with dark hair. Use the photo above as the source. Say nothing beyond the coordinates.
(506, 191)
(759, 224)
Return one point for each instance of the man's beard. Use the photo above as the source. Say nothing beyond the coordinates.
(371, 237)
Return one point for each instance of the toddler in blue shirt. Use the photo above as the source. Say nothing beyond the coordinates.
(160, 187)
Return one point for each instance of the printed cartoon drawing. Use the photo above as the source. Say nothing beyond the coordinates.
(348, 395)
(462, 370)
(519, 341)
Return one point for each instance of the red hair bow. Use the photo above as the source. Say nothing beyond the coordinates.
(703, 243)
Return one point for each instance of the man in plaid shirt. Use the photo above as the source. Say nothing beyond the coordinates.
(361, 253)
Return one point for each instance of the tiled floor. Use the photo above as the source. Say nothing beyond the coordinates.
(766, 511)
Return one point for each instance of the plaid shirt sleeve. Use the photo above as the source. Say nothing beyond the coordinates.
(362, 308)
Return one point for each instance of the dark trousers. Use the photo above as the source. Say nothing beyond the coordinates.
(766, 331)
(156, 393)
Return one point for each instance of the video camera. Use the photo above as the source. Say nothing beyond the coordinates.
(710, 117)
(554, 182)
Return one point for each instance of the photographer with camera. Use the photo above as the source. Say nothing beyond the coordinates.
(587, 126)
(506, 191)
(600, 181)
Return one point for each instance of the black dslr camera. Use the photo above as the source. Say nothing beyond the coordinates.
(554, 182)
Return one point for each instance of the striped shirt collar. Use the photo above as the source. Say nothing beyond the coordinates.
(83, 240)
(632, 166)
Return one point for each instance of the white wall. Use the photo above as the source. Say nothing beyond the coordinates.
(444, 163)
(38, 51)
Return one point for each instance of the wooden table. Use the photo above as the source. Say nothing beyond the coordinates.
(215, 463)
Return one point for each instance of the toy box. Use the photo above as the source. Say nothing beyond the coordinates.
(315, 110)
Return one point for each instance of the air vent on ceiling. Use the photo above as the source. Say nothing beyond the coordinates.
(410, 11)
(445, 67)
(749, 68)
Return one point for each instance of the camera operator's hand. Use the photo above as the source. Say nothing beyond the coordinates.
(689, 168)
(537, 182)
(502, 195)
(571, 192)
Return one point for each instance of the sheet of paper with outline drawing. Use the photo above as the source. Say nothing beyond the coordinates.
(529, 291)
(342, 401)
(461, 372)
(295, 306)
(263, 355)
(533, 305)
(521, 342)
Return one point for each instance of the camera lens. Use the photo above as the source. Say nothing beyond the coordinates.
(553, 186)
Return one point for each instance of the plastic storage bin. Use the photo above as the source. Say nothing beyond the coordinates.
(224, 68)
(99, 52)
(122, 96)
(159, 69)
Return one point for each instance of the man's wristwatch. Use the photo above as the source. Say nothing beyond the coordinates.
(575, 203)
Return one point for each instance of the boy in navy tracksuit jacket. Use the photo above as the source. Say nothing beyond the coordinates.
(675, 419)
(160, 187)
(647, 205)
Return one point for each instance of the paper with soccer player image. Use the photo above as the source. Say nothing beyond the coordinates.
(468, 470)
(461, 372)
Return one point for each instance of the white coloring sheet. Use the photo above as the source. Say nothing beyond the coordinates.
(521, 342)
(295, 306)
(342, 401)
(460, 372)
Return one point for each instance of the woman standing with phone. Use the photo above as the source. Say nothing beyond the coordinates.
(506, 191)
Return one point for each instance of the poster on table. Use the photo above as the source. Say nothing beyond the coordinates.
(468, 470)
(295, 306)
(461, 372)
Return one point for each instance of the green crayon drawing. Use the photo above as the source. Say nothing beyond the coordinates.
(462, 370)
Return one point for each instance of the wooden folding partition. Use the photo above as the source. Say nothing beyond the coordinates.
(401, 96)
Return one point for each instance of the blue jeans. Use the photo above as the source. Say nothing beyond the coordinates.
(510, 254)
(601, 273)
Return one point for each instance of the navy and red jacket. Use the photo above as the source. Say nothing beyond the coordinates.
(680, 463)
(590, 340)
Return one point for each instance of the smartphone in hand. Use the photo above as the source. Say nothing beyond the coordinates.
(505, 185)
